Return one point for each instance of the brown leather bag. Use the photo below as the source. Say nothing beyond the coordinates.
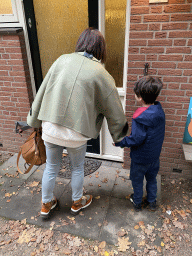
(33, 151)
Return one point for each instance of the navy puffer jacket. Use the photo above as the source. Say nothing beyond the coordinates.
(147, 135)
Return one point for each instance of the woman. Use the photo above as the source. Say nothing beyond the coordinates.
(75, 96)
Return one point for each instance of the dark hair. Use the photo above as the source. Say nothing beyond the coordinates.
(92, 41)
(148, 88)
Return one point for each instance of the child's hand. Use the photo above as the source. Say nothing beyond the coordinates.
(113, 143)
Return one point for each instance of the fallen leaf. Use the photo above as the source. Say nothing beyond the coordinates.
(24, 221)
(141, 223)
(122, 233)
(96, 248)
(105, 180)
(102, 245)
(97, 197)
(191, 201)
(162, 244)
(24, 237)
(123, 244)
(136, 227)
(99, 185)
(34, 184)
(142, 243)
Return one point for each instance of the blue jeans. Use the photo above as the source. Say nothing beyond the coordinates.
(137, 174)
(53, 164)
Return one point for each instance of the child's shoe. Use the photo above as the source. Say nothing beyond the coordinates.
(137, 207)
(152, 206)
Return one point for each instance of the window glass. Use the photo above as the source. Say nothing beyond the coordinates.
(6, 7)
(59, 25)
(115, 22)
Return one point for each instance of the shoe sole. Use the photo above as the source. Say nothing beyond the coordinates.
(73, 212)
(45, 216)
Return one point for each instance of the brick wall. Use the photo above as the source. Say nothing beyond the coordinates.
(161, 35)
(15, 90)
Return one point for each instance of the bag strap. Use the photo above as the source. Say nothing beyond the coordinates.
(31, 165)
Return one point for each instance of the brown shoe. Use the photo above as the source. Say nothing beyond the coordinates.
(82, 203)
(47, 207)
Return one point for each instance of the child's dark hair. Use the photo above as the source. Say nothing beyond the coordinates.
(148, 88)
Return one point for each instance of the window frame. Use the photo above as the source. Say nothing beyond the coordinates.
(10, 18)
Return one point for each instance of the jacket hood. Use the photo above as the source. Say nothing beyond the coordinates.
(150, 116)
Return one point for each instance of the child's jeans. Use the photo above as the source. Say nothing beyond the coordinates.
(137, 174)
(53, 164)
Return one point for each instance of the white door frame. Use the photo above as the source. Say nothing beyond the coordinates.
(105, 152)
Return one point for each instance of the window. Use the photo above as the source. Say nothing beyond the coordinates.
(8, 12)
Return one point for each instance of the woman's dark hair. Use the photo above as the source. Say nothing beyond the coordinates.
(148, 88)
(92, 41)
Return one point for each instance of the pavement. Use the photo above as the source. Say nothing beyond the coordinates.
(110, 212)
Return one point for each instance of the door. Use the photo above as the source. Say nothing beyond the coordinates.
(58, 26)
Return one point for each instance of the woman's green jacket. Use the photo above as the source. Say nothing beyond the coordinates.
(78, 93)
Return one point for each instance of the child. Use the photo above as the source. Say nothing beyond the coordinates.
(145, 141)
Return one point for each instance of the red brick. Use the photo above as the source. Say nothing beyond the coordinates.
(180, 34)
(190, 42)
(137, 57)
(3, 62)
(170, 57)
(139, 3)
(179, 50)
(17, 73)
(18, 68)
(13, 50)
(141, 35)
(15, 62)
(179, 42)
(6, 78)
(172, 117)
(156, 18)
(181, 17)
(20, 79)
(173, 93)
(177, 99)
(186, 87)
(182, 112)
(173, 86)
(5, 56)
(139, 10)
(169, 72)
(188, 58)
(161, 35)
(137, 42)
(174, 26)
(148, 50)
(135, 19)
(4, 73)
(10, 37)
(2, 50)
(156, 9)
(175, 79)
(16, 56)
(133, 50)
(154, 26)
(188, 73)
(159, 42)
(164, 65)
(189, 93)
(5, 67)
(138, 27)
(185, 65)
(151, 57)
(177, 8)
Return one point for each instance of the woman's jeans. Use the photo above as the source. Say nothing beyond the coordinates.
(53, 164)
(137, 174)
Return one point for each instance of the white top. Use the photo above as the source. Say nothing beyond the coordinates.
(62, 136)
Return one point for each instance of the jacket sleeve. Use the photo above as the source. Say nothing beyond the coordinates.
(32, 118)
(116, 120)
(137, 137)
